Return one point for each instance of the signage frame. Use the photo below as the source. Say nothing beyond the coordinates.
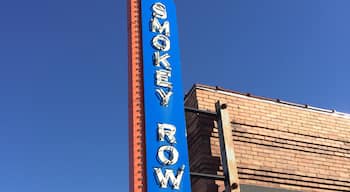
(167, 166)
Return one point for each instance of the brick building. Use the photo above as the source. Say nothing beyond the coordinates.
(278, 146)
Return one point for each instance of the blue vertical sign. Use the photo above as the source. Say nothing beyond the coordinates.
(167, 165)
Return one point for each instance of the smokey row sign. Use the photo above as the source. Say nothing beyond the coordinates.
(161, 42)
(166, 144)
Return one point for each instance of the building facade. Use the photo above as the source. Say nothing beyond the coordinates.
(278, 145)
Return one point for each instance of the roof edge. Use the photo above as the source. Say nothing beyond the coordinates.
(279, 101)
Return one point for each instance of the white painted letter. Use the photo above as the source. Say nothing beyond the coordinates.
(169, 174)
(157, 27)
(165, 97)
(168, 155)
(159, 10)
(161, 42)
(168, 130)
(161, 59)
(162, 78)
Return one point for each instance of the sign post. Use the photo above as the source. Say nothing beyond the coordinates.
(137, 166)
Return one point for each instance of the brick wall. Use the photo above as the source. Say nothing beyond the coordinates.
(279, 145)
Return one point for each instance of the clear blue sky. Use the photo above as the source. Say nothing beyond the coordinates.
(63, 77)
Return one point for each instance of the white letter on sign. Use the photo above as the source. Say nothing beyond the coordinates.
(169, 174)
(162, 78)
(161, 59)
(161, 42)
(159, 10)
(157, 27)
(168, 155)
(165, 97)
(166, 130)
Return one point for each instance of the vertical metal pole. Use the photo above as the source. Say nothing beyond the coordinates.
(226, 148)
(137, 176)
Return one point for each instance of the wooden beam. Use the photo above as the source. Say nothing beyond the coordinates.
(227, 149)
